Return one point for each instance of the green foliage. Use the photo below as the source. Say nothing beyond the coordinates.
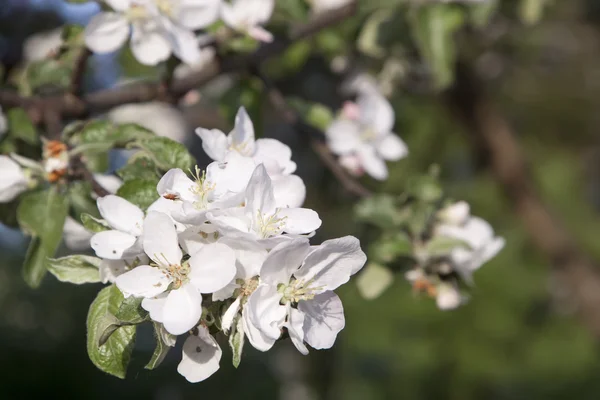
(374, 280)
(433, 28)
(80, 198)
(113, 355)
(140, 192)
(379, 210)
(139, 167)
(93, 224)
(314, 114)
(165, 153)
(131, 312)
(21, 126)
(236, 341)
(75, 269)
(164, 342)
(531, 11)
(41, 215)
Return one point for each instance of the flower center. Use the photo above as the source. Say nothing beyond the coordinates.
(270, 225)
(165, 6)
(137, 11)
(202, 189)
(297, 290)
(178, 274)
(368, 134)
(247, 286)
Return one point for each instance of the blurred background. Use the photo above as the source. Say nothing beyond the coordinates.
(516, 339)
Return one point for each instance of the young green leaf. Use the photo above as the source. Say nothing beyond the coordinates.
(93, 224)
(139, 167)
(236, 342)
(34, 266)
(374, 280)
(130, 311)
(81, 200)
(440, 246)
(164, 342)
(379, 210)
(75, 269)
(114, 355)
(140, 192)
(166, 153)
(21, 126)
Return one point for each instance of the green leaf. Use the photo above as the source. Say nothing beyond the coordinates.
(481, 13)
(93, 224)
(139, 167)
(368, 40)
(114, 355)
(164, 342)
(132, 131)
(21, 126)
(379, 210)
(166, 153)
(71, 34)
(433, 28)
(374, 280)
(140, 192)
(75, 269)
(440, 246)
(425, 188)
(531, 11)
(81, 200)
(236, 342)
(42, 215)
(388, 248)
(131, 311)
(51, 74)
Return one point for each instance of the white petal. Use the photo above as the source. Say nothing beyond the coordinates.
(185, 44)
(289, 191)
(226, 292)
(160, 239)
(119, 5)
(259, 193)
(230, 175)
(109, 182)
(106, 32)
(230, 314)
(182, 309)
(110, 269)
(259, 33)
(242, 136)
(249, 256)
(376, 112)
(372, 163)
(283, 260)
(299, 220)
(214, 143)
(448, 297)
(332, 263)
(280, 153)
(197, 14)
(121, 214)
(76, 237)
(343, 136)
(294, 326)
(149, 44)
(264, 311)
(155, 306)
(323, 319)
(172, 208)
(143, 281)
(175, 182)
(257, 339)
(390, 147)
(212, 267)
(115, 245)
(201, 356)
(456, 213)
(13, 181)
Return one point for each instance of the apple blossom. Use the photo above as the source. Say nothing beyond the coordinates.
(13, 179)
(172, 288)
(247, 16)
(296, 291)
(157, 28)
(201, 356)
(362, 136)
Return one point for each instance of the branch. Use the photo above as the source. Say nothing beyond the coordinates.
(490, 129)
(316, 137)
(79, 72)
(143, 92)
(80, 171)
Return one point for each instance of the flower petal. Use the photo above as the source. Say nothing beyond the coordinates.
(212, 267)
(201, 356)
(182, 310)
(231, 175)
(331, 264)
(119, 5)
(149, 43)
(175, 182)
(13, 181)
(214, 143)
(283, 260)
(294, 326)
(106, 32)
(372, 163)
(155, 306)
(299, 220)
(143, 281)
(160, 239)
(242, 137)
(76, 237)
(121, 214)
(376, 112)
(264, 311)
(289, 191)
(115, 245)
(323, 319)
(249, 256)
(343, 136)
(390, 147)
(184, 44)
(280, 153)
(197, 14)
(259, 193)
(109, 182)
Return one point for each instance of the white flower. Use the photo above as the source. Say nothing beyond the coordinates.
(363, 136)
(180, 308)
(126, 221)
(13, 179)
(448, 297)
(157, 28)
(455, 214)
(247, 16)
(201, 356)
(320, 6)
(479, 236)
(293, 274)
(3, 124)
(76, 237)
(260, 218)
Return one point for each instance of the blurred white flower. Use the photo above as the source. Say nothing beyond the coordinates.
(248, 16)
(40, 46)
(363, 138)
(157, 28)
(13, 179)
(320, 6)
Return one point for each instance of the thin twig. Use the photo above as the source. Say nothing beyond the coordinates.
(315, 136)
(79, 72)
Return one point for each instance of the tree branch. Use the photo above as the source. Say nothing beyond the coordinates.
(143, 92)
(493, 133)
(316, 137)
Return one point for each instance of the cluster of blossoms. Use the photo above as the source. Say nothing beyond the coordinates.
(159, 28)
(227, 250)
(473, 243)
(362, 135)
